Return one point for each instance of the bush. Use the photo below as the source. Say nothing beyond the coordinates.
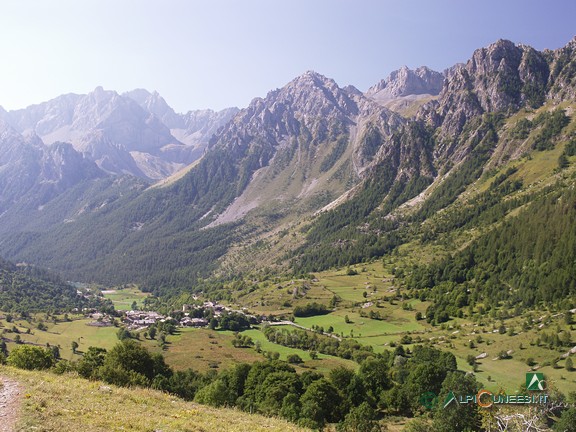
(31, 357)
(311, 309)
(129, 364)
(242, 341)
(93, 358)
(64, 366)
(360, 419)
(294, 359)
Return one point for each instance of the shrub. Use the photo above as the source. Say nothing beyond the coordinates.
(294, 359)
(31, 357)
(311, 309)
(569, 365)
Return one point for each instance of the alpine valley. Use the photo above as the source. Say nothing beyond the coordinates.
(436, 208)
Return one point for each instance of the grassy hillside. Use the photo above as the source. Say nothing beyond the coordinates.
(396, 304)
(61, 333)
(66, 403)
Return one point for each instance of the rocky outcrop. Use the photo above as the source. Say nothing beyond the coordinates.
(32, 173)
(405, 82)
(562, 62)
(194, 129)
(502, 77)
(155, 104)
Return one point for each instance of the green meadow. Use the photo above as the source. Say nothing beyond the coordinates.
(123, 298)
(62, 334)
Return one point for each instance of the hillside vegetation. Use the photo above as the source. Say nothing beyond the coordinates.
(65, 403)
(29, 289)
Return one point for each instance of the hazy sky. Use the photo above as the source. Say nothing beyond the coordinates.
(219, 53)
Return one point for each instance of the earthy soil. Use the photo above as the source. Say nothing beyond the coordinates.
(10, 393)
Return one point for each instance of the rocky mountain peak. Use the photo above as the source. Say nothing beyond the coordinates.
(309, 81)
(501, 56)
(405, 82)
(8, 133)
(309, 102)
(139, 95)
(562, 83)
(157, 105)
(313, 94)
(500, 77)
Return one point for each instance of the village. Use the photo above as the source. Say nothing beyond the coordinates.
(191, 316)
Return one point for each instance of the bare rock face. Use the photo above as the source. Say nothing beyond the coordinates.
(155, 104)
(405, 82)
(502, 77)
(308, 139)
(562, 72)
(506, 76)
(193, 129)
(137, 133)
(102, 124)
(311, 107)
(32, 173)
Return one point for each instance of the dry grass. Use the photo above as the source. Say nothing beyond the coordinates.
(66, 403)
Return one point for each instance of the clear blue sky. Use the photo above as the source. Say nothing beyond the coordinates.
(219, 53)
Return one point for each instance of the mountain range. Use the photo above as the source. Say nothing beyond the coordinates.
(349, 175)
(132, 134)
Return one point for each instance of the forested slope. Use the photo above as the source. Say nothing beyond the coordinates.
(27, 289)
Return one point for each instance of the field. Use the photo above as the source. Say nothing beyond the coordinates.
(61, 334)
(324, 363)
(203, 349)
(124, 298)
(509, 373)
(67, 404)
(399, 320)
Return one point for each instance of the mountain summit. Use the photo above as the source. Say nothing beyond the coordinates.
(406, 90)
(306, 141)
(130, 134)
(406, 82)
(358, 177)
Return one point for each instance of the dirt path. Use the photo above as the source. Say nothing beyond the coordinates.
(10, 394)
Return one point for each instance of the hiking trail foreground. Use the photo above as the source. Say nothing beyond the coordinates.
(9, 403)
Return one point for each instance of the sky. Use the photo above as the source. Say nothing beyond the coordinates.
(218, 53)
